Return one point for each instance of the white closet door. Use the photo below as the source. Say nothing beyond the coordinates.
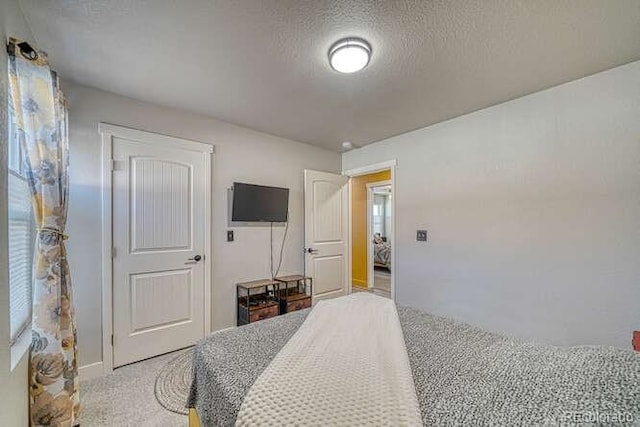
(159, 223)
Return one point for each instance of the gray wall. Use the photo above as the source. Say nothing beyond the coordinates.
(13, 383)
(241, 155)
(533, 213)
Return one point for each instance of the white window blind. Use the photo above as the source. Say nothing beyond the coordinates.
(21, 240)
(378, 215)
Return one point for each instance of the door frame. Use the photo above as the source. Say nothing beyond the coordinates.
(391, 165)
(370, 247)
(108, 132)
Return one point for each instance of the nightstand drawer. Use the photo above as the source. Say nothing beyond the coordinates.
(298, 304)
(263, 313)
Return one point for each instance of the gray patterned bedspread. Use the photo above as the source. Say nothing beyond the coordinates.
(382, 254)
(463, 375)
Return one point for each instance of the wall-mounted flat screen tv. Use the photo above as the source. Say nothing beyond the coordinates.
(258, 203)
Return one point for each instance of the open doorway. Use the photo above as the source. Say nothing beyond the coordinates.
(380, 220)
(372, 225)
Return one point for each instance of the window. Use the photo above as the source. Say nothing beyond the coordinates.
(21, 237)
(378, 215)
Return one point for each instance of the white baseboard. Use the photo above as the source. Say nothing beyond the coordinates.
(90, 371)
(95, 370)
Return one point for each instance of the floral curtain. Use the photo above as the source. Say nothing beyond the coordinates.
(41, 120)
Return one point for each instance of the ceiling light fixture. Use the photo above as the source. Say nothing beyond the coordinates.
(349, 55)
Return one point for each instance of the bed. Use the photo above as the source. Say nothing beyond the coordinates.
(381, 253)
(461, 373)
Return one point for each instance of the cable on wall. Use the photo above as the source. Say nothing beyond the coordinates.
(284, 238)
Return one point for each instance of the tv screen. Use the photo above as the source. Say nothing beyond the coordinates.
(257, 203)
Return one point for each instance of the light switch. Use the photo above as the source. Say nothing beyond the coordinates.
(229, 235)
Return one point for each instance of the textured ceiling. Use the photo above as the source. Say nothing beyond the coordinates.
(262, 63)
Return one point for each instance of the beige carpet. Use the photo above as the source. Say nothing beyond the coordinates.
(126, 398)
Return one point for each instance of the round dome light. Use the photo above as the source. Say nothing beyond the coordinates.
(349, 55)
(347, 145)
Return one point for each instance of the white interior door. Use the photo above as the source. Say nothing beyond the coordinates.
(326, 215)
(160, 220)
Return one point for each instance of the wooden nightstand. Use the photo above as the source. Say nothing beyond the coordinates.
(294, 292)
(257, 300)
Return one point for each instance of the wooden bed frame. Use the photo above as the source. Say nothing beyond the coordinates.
(377, 264)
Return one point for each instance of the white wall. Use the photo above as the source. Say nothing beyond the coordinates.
(13, 383)
(241, 155)
(533, 212)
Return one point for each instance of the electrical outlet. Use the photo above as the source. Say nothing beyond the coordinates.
(229, 235)
(421, 236)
